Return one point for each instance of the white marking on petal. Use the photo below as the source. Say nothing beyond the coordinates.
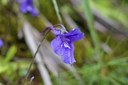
(66, 45)
(29, 8)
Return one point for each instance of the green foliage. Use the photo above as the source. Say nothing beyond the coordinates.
(10, 53)
(114, 11)
(4, 2)
(65, 78)
(11, 70)
(90, 22)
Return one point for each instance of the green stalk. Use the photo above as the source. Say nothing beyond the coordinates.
(90, 23)
(57, 10)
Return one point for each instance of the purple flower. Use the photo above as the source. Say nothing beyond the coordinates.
(28, 6)
(63, 43)
(1, 43)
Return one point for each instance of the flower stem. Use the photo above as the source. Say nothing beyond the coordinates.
(60, 26)
(57, 10)
(33, 59)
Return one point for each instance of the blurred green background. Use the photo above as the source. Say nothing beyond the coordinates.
(101, 57)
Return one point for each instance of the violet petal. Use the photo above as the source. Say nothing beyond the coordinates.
(74, 35)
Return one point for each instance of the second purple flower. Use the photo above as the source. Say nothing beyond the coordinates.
(28, 6)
